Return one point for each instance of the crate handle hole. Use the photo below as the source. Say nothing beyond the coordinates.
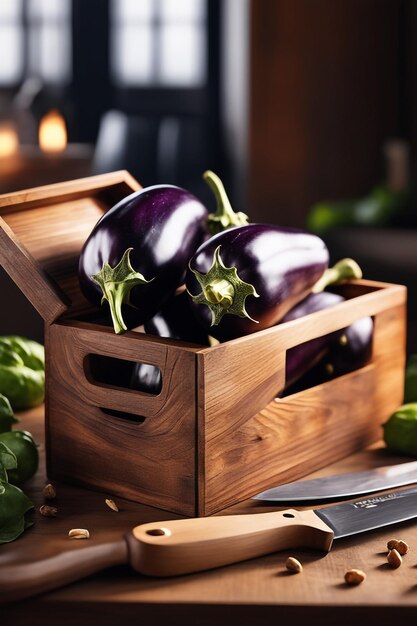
(124, 374)
(130, 417)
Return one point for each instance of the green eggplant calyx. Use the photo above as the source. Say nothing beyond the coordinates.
(345, 269)
(223, 291)
(116, 284)
(224, 217)
(220, 292)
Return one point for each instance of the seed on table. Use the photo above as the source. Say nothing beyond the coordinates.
(293, 565)
(399, 545)
(79, 533)
(394, 558)
(48, 511)
(354, 576)
(49, 492)
(112, 505)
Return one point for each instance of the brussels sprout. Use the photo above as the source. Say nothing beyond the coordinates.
(22, 375)
(400, 431)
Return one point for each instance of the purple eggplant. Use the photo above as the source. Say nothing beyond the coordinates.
(247, 278)
(175, 321)
(303, 357)
(342, 352)
(137, 253)
(350, 350)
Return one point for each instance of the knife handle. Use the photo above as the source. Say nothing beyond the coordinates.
(23, 580)
(190, 545)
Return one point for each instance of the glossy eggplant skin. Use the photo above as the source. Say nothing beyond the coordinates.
(163, 225)
(175, 321)
(350, 350)
(347, 350)
(303, 357)
(282, 264)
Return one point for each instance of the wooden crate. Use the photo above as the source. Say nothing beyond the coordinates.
(215, 434)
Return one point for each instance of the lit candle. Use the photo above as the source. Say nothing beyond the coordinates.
(52, 133)
(9, 141)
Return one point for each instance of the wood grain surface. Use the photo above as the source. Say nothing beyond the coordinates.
(249, 441)
(259, 591)
(42, 231)
(152, 459)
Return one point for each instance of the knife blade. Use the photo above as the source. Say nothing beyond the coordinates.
(341, 486)
(171, 548)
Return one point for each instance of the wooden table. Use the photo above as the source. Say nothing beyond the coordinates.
(257, 592)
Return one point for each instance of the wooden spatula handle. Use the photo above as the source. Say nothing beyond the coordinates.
(28, 579)
(191, 545)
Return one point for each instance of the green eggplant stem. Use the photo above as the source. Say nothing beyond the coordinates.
(224, 217)
(116, 283)
(115, 297)
(343, 270)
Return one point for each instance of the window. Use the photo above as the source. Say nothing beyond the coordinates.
(158, 42)
(11, 42)
(49, 23)
(35, 40)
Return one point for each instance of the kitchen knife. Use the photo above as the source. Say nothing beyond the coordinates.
(343, 485)
(171, 548)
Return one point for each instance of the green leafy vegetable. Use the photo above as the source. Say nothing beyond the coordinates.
(6, 415)
(25, 451)
(14, 504)
(22, 375)
(8, 461)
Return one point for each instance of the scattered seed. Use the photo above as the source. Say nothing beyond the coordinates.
(49, 492)
(293, 565)
(112, 505)
(79, 533)
(354, 576)
(48, 511)
(399, 545)
(394, 558)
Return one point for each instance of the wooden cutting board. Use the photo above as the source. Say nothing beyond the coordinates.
(252, 592)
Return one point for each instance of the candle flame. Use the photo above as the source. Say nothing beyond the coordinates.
(52, 133)
(9, 142)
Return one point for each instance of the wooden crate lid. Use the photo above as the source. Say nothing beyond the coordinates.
(42, 231)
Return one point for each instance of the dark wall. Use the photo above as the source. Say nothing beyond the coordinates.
(328, 88)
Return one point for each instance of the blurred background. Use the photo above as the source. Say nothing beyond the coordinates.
(307, 110)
